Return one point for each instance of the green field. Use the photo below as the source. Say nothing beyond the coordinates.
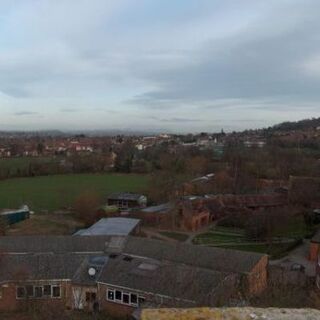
(59, 191)
(231, 238)
(219, 235)
(175, 235)
(275, 250)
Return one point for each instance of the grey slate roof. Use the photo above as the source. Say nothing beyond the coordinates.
(218, 259)
(165, 278)
(39, 266)
(110, 226)
(52, 244)
(82, 276)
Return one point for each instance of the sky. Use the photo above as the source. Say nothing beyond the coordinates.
(165, 65)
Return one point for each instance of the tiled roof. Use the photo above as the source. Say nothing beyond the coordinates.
(52, 244)
(248, 200)
(39, 266)
(167, 279)
(215, 259)
(218, 259)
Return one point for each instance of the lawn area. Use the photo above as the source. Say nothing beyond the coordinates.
(275, 250)
(230, 238)
(46, 224)
(55, 192)
(295, 228)
(175, 235)
(219, 235)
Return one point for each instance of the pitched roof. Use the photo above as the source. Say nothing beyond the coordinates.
(52, 244)
(218, 259)
(39, 266)
(247, 200)
(165, 278)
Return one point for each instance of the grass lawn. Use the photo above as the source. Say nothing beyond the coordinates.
(295, 228)
(230, 238)
(59, 191)
(46, 224)
(276, 250)
(219, 235)
(175, 235)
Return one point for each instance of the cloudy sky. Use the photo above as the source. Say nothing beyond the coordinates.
(182, 65)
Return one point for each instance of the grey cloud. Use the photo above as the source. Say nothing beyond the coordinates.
(25, 113)
(175, 119)
(67, 110)
(255, 65)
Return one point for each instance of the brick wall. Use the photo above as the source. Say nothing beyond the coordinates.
(314, 251)
(256, 281)
(9, 301)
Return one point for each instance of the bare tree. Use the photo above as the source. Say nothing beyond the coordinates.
(86, 206)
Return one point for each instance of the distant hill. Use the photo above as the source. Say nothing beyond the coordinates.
(305, 124)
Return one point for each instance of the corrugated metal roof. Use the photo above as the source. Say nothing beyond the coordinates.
(125, 196)
(110, 226)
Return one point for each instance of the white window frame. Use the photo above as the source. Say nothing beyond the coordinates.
(127, 294)
(135, 304)
(47, 295)
(56, 286)
(114, 295)
(43, 296)
(123, 293)
(29, 285)
(25, 293)
(35, 296)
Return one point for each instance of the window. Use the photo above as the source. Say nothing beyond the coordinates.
(110, 295)
(118, 295)
(38, 292)
(125, 298)
(47, 290)
(21, 292)
(133, 298)
(121, 297)
(141, 300)
(30, 291)
(56, 291)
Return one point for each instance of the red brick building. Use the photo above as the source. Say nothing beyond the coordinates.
(121, 274)
(314, 249)
(187, 214)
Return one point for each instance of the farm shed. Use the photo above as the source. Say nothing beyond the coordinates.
(15, 216)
